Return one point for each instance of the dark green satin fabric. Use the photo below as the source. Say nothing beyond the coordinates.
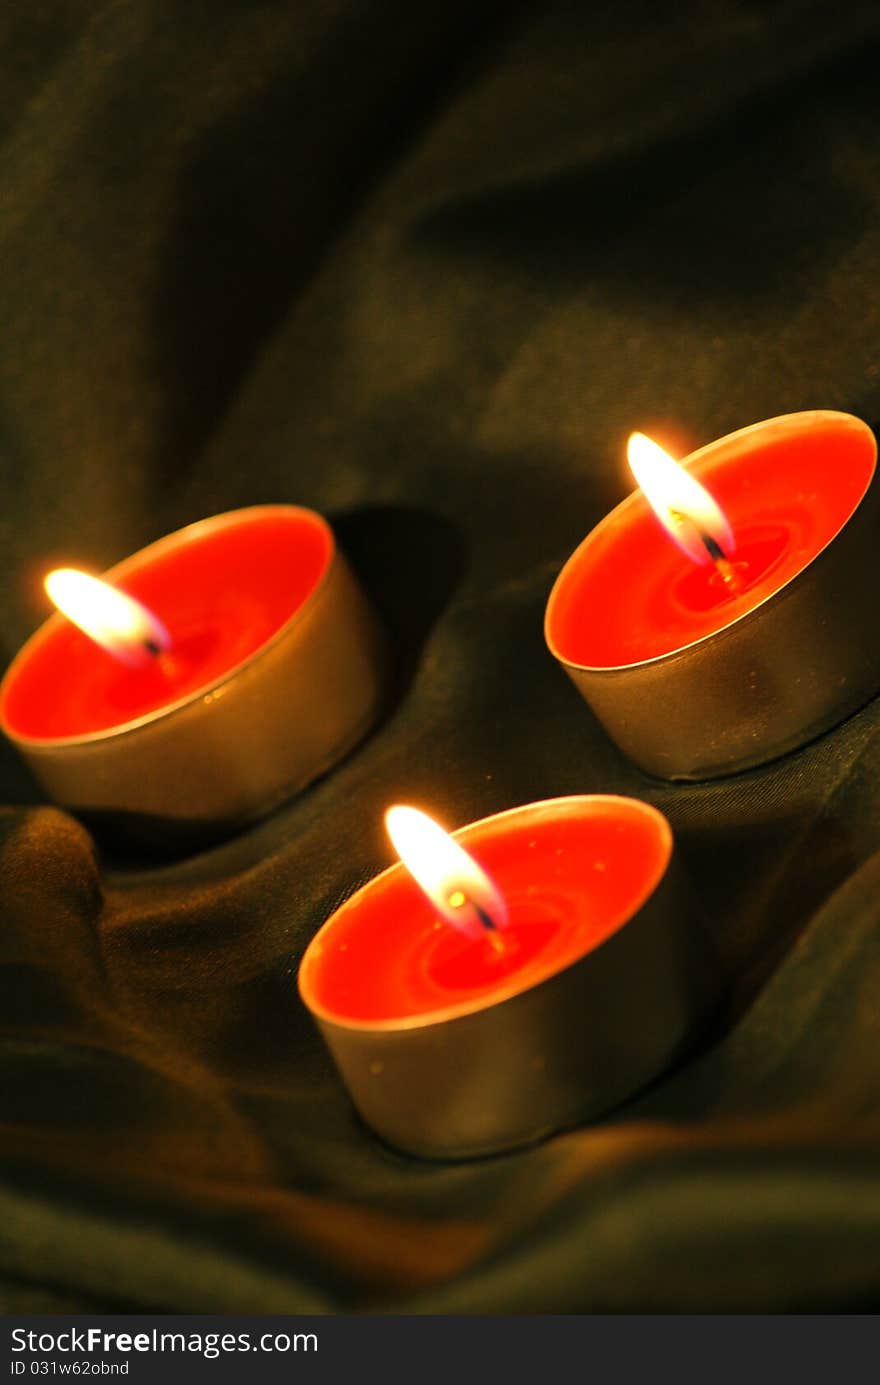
(423, 268)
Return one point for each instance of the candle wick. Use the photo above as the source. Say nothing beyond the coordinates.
(158, 654)
(713, 547)
(723, 566)
(458, 899)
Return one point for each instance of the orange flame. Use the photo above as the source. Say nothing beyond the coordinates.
(686, 510)
(114, 620)
(460, 890)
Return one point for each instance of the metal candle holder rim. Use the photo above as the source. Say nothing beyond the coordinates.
(53, 621)
(511, 989)
(803, 418)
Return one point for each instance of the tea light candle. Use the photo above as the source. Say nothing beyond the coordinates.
(736, 619)
(224, 668)
(521, 976)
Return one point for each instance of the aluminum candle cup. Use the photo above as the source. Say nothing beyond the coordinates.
(451, 1048)
(693, 681)
(275, 670)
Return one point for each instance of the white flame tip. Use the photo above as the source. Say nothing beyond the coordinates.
(110, 617)
(683, 506)
(442, 868)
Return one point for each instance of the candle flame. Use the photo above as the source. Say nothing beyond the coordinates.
(459, 889)
(686, 510)
(110, 617)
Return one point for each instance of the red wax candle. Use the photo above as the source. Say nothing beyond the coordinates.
(453, 1044)
(271, 670)
(695, 675)
(222, 591)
